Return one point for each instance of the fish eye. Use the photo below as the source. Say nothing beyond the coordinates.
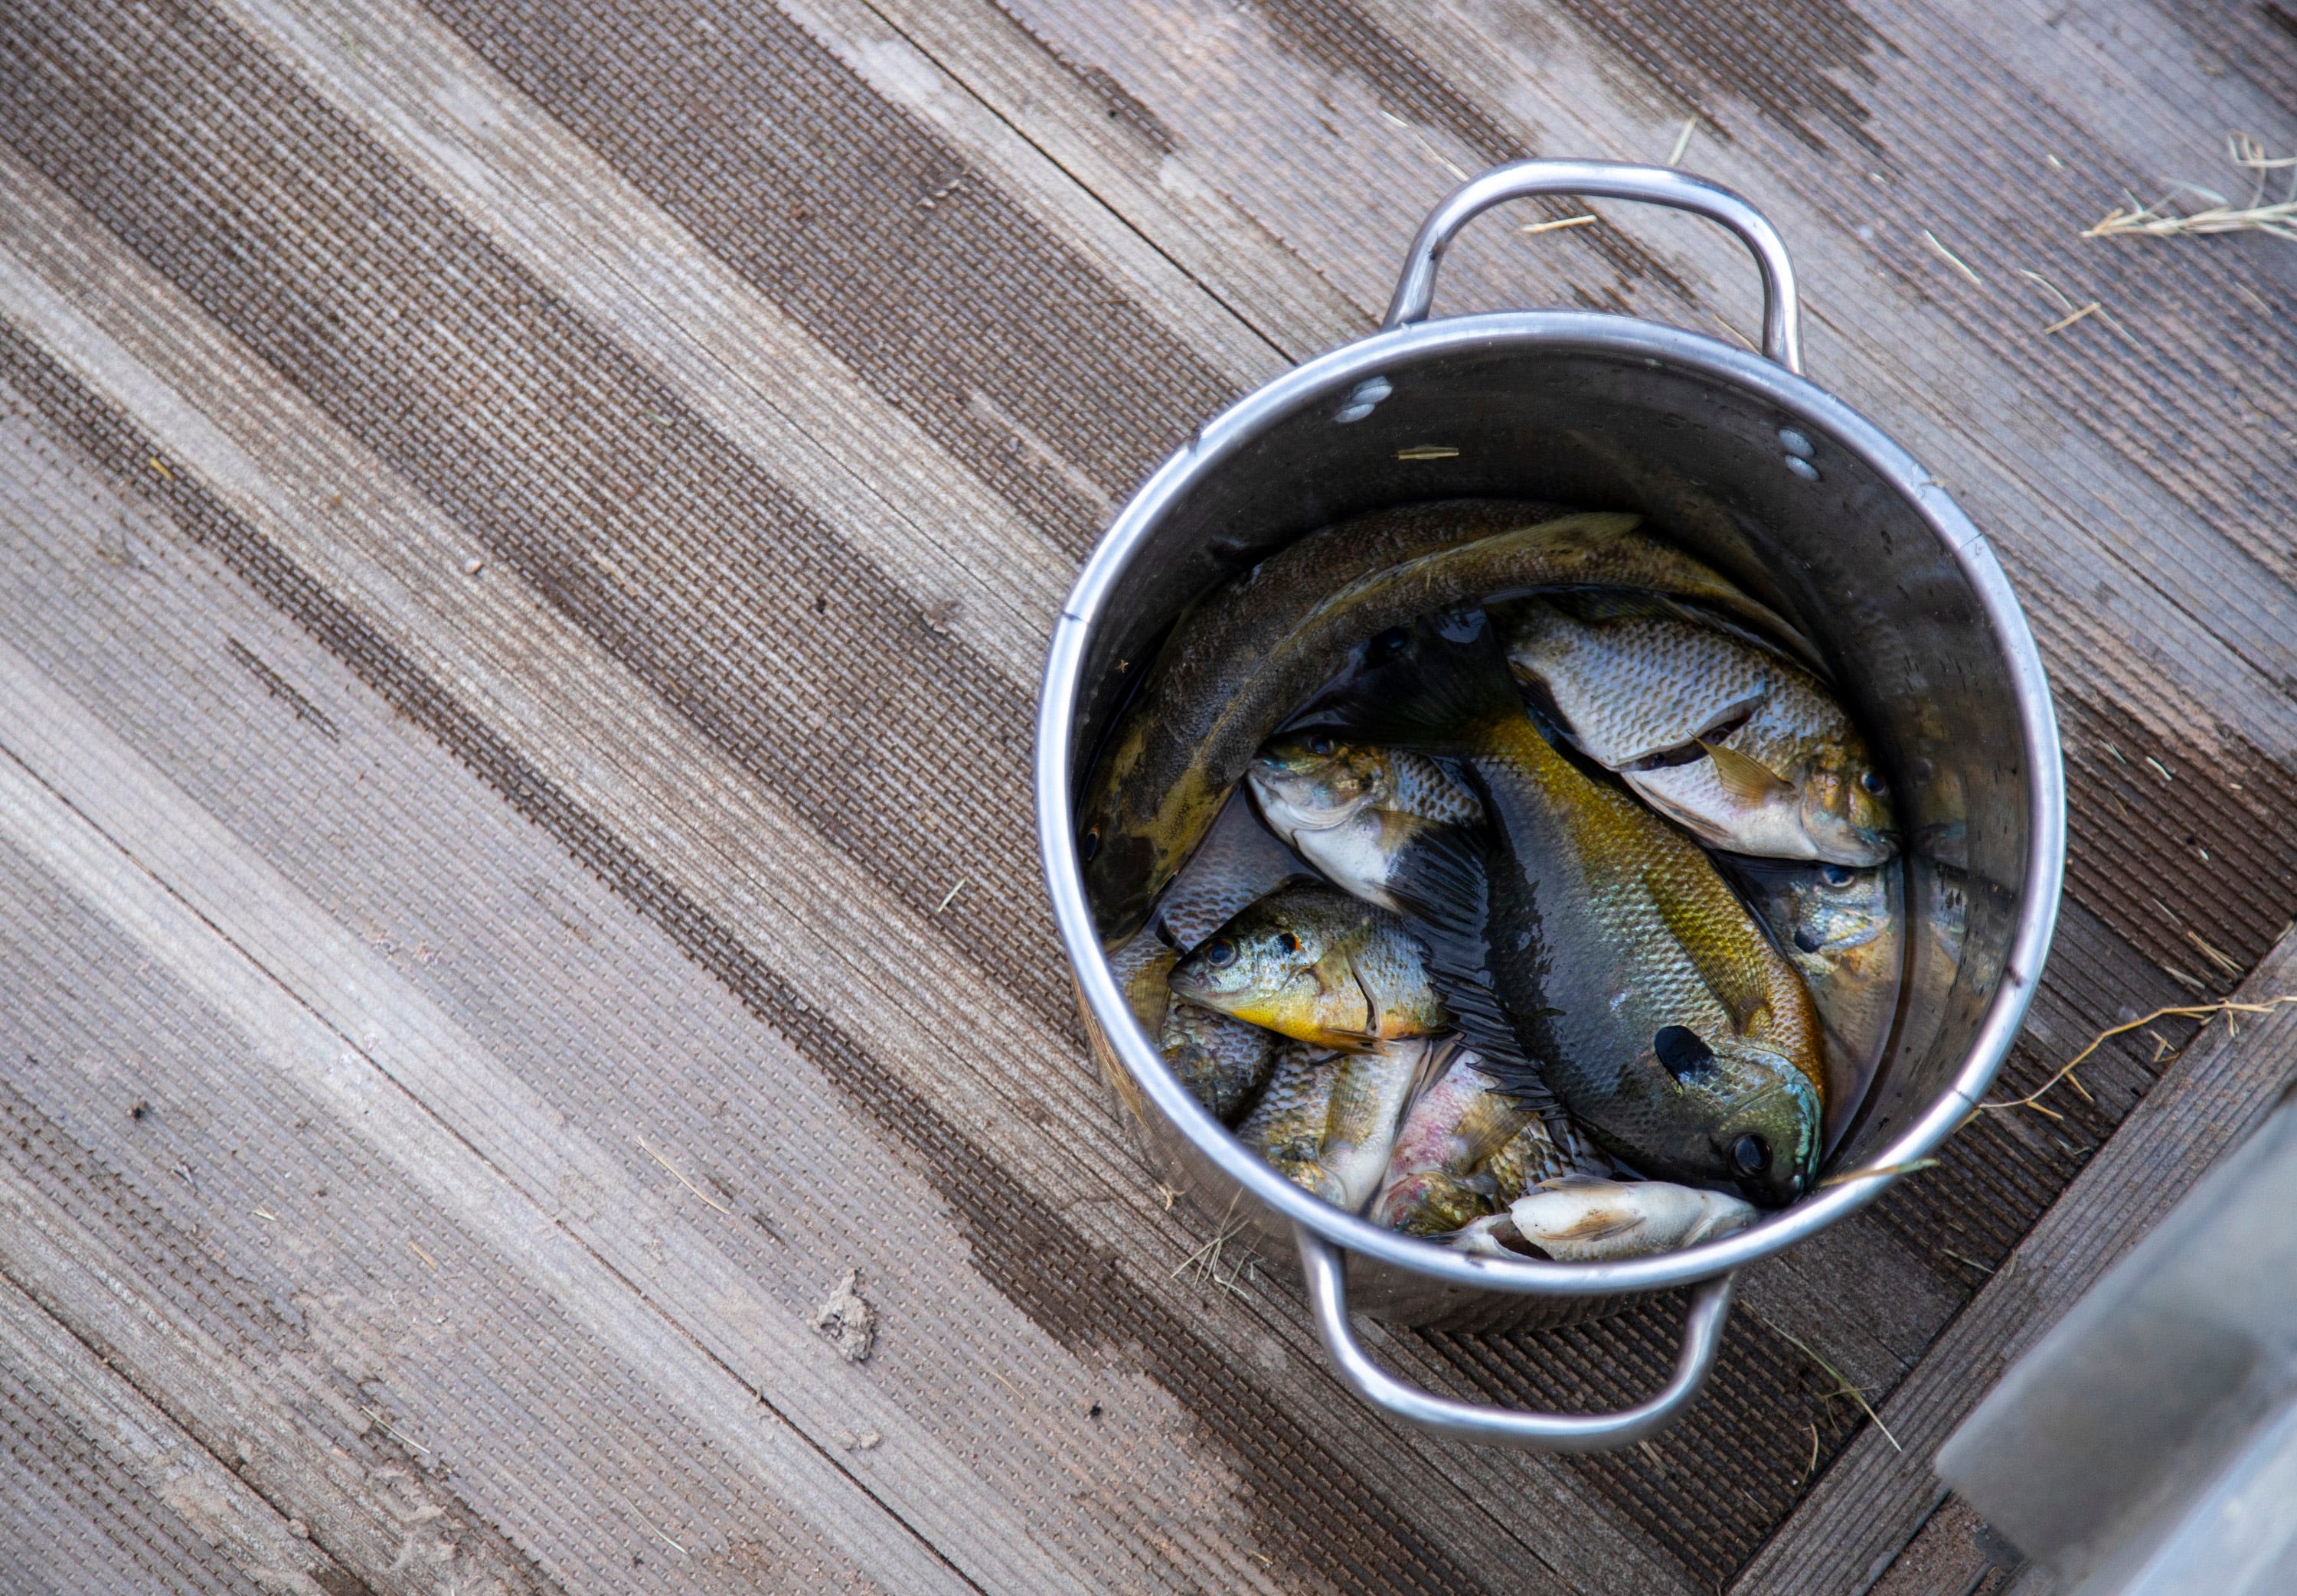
(1389, 642)
(1220, 953)
(1750, 1154)
(1319, 743)
(1806, 939)
(1874, 783)
(1090, 844)
(1834, 875)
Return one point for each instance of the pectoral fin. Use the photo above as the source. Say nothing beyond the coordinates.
(1748, 780)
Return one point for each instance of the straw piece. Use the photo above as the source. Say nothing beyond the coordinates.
(2204, 1012)
(681, 1179)
(1951, 259)
(1845, 1388)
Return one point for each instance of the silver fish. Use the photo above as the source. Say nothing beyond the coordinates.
(1743, 747)
(1353, 811)
(1583, 1219)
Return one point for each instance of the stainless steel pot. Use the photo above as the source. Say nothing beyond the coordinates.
(1768, 477)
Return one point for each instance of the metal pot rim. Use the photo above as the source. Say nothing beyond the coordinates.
(1322, 380)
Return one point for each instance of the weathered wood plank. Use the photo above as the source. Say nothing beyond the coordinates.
(793, 1190)
(97, 1466)
(399, 554)
(480, 1224)
(1872, 1501)
(750, 370)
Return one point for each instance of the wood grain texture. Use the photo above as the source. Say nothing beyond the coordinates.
(96, 1465)
(799, 1165)
(1002, 1117)
(1136, 1229)
(775, 364)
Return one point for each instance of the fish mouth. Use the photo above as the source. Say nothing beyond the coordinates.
(1192, 986)
(1305, 801)
(1858, 846)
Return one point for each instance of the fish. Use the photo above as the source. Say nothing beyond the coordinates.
(1466, 1150)
(1286, 1126)
(1719, 732)
(1584, 1219)
(1328, 1120)
(1238, 863)
(1352, 810)
(1845, 933)
(1604, 958)
(1221, 1061)
(1309, 961)
(1245, 656)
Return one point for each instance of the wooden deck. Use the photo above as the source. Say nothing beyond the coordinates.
(528, 532)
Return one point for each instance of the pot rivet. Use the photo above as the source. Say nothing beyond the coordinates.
(1361, 399)
(1802, 468)
(1795, 443)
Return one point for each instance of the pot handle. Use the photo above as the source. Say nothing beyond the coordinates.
(1702, 1334)
(1415, 289)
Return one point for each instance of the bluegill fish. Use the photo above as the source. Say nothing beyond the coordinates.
(1328, 1120)
(1221, 1061)
(1467, 1149)
(1634, 984)
(1239, 663)
(1287, 1125)
(1743, 747)
(1583, 1219)
(1845, 933)
(1310, 962)
(1354, 811)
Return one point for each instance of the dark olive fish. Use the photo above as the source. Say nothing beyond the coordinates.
(1248, 654)
(1633, 982)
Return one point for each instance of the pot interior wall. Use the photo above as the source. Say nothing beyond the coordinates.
(1841, 553)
